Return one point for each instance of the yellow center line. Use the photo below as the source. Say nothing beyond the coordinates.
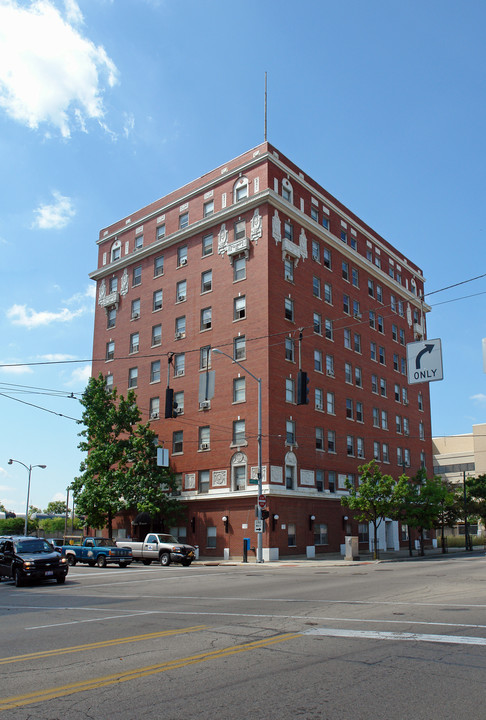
(99, 644)
(107, 680)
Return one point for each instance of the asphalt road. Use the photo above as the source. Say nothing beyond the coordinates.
(313, 642)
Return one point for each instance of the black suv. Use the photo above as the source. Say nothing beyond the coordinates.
(29, 558)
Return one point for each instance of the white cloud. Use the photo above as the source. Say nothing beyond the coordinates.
(80, 297)
(57, 357)
(29, 318)
(80, 375)
(479, 398)
(56, 215)
(49, 71)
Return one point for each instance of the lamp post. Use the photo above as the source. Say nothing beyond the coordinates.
(29, 469)
(259, 510)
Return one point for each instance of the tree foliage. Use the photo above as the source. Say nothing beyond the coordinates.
(56, 507)
(476, 497)
(120, 470)
(377, 497)
(424, 503)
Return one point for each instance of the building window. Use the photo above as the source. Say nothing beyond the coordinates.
(359, 411)
(328, 293)
(330, 365)
(316, 287)
(138, 242)
(181, 291)
(317, 360)
(135, 313)
(357, 342)
(239, 436)
(346, 304)
(183, 220)
(161, 232)
(115, 253)
(347, 338)
(239, 389)
(289, 477)
(381, 355)
(317, 323)
(384, 420)
(137, 276)
(385, 453)
(133, 377)
(371, 288)
(420, 401)
(134, 342)
(349, 409)
(208, 208)
(204, 438)
(330, 402)
(179, 401)
(374, 384)
(326, 258)
(289, 269)
(363, 532)
(157, 300)
(111, 318)
(319, 438)
(290, 432)
(345, 270)
(288, 231)
(182, 255)
(291, 536)
(325, 220)
(286, 192)
(178, 441)
(328, 329)
(319, 480)
(179, 364)
(360, 447)
(376, 417)
(319, 399)
(239, 347)
(239, 476)
(379, 293)
(206, 318)
(156, 335)
(383, 387)
(320, 534)
(373, 351)
(421, 431)
(205, 357)
(206, 281)
(154, 408)
(289, 349)
(358, 377)
(240, 191)
(203, 487)
(113, 284)
(289, 309)
(207, 245)
(159, 266)
(289, 390)
(316, 255)
(355, 277)
(109, 382)
(110, 350)
(180, 327)
(155, 371)
(239, 268)
(331, 447)
(350, 445)
(239, 307)
(344, 236)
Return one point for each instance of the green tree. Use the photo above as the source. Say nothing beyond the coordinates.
(423, 503)
(145, 485)
(476, 497)
(33, 509)
(109, 420)
(377, 497)
(56, 507)
(452, 508)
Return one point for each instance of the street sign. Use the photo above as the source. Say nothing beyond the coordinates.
(258, 526)
(262, 501)
(424, 361)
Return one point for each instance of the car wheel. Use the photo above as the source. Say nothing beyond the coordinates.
(164, 559)
(71, 559)
(145, 561)
(61, 579)
(101, 561)
(18, 579)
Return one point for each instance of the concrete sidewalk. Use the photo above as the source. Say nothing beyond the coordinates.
(337, 560)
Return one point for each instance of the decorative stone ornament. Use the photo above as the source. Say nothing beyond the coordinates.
(256, 227)
(124, 283)
(222, 240)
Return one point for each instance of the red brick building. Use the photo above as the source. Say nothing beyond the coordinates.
(258, 260)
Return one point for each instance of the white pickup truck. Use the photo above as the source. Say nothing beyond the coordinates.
(160, 547)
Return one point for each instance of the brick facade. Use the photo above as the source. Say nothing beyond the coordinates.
(258, 259)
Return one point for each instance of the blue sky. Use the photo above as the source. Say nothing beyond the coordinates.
(106, 106)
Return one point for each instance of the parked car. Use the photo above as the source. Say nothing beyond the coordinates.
(28, 558)
(97, 551)
(163, 548)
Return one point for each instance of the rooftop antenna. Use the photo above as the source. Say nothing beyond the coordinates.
(265, 131)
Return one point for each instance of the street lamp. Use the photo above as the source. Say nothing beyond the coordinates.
(29, 469)
(259, 510)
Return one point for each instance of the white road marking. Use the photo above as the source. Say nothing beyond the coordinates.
(417, 637)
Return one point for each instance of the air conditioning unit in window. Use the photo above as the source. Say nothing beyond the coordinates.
(178, 373)
(405, 402)
(204, 446)
(179, 335)
(358, 316)
(180, 298)
(135, 316)
(179, 410)
(330, 373)
(154, 416)
(135, 348)
(183, 261)
(204, 404)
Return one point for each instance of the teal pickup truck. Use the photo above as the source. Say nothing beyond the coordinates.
(97, 551)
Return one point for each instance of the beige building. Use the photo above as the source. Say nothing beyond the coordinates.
(460, 456)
